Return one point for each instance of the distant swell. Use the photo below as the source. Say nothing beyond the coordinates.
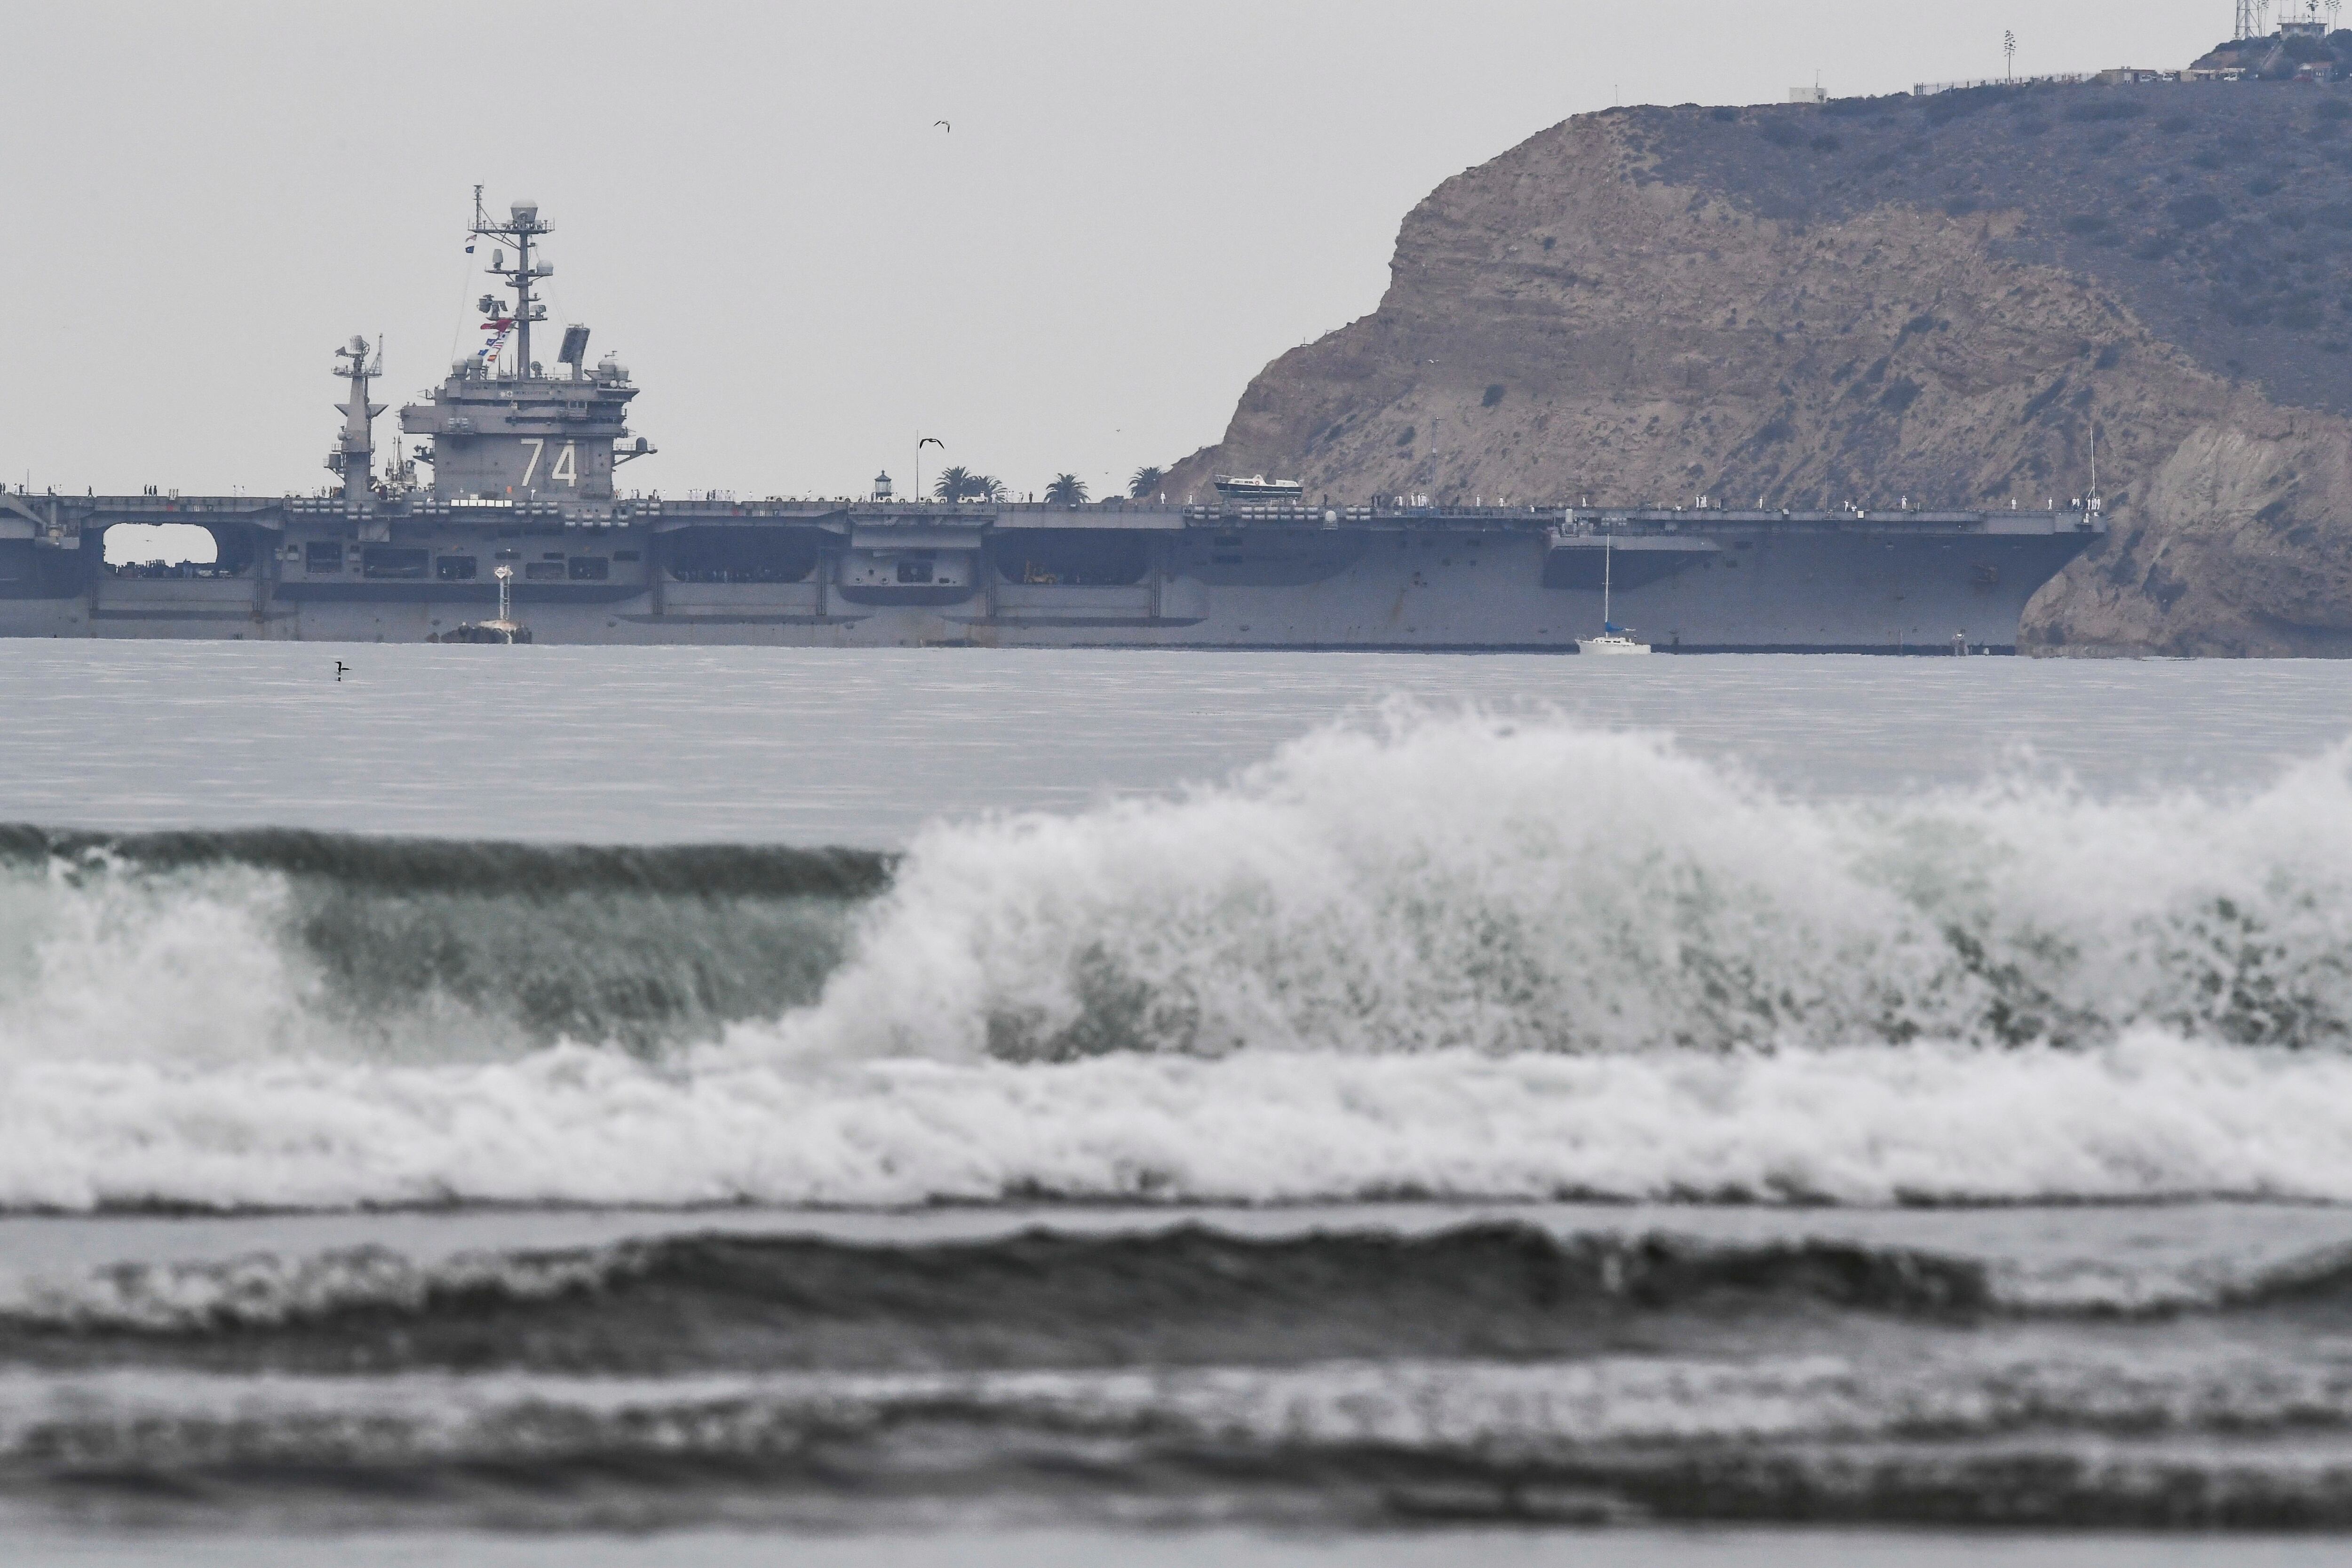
(457, 866)
(1491, 1372)
(1616, 1441)
(1039, 1298)
(1186, 1295)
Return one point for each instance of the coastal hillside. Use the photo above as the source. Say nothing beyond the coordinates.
(1936, 298)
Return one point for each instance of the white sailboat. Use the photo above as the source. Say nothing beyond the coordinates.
(1613, 638)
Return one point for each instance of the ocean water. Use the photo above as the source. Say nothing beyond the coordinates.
(688, 1105)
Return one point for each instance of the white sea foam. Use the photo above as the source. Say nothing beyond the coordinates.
(1468, 883)
(2149, 1116)
(1451, 956)
(194, 968)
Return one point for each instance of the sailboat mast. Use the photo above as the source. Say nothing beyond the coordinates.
(1608, 553)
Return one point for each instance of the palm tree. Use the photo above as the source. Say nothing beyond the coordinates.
(1067, 489)
(959, 483)
(1145, 481)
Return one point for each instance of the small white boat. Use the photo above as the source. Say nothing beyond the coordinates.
(1611, 642)
(1613, 638)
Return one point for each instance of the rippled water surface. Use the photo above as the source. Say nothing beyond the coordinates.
(805, 747)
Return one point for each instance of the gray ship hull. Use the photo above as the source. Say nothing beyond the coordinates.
(866, 575)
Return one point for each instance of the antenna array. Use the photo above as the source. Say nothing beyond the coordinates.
(2303, 17)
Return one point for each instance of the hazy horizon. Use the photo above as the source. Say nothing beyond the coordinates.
(1132, 211)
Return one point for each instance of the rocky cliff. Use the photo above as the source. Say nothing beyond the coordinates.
(1939, 298)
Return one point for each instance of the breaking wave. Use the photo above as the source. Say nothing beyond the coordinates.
(1469, 884)
(223, 946)
(1446, 956)
(2153, 1117)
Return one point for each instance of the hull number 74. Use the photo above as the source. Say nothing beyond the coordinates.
(567, 461)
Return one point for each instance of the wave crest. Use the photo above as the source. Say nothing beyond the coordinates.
(226, 946)
(1449, 957)
(1459, 1289)
(1468, 883)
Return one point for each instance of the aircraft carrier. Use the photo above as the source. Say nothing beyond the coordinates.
(520, 534)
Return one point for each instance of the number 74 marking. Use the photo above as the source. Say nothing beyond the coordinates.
(567, 461)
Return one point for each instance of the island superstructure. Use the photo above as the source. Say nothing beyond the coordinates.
(523, 460)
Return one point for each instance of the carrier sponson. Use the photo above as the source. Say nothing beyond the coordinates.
(858, 574)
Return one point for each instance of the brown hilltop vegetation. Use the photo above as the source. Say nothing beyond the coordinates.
(1935, 298)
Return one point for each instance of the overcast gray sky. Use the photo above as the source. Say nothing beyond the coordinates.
(1138, 206)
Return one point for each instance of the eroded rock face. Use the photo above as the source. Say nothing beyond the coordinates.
(2239, 545)
(1655, 305)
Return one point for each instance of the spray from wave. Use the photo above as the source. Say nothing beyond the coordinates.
(1447, 956)
(1466, 884)
(172, 947)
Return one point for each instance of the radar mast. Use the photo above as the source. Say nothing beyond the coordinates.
(353, 454)
(529, 438)
(521, 228)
